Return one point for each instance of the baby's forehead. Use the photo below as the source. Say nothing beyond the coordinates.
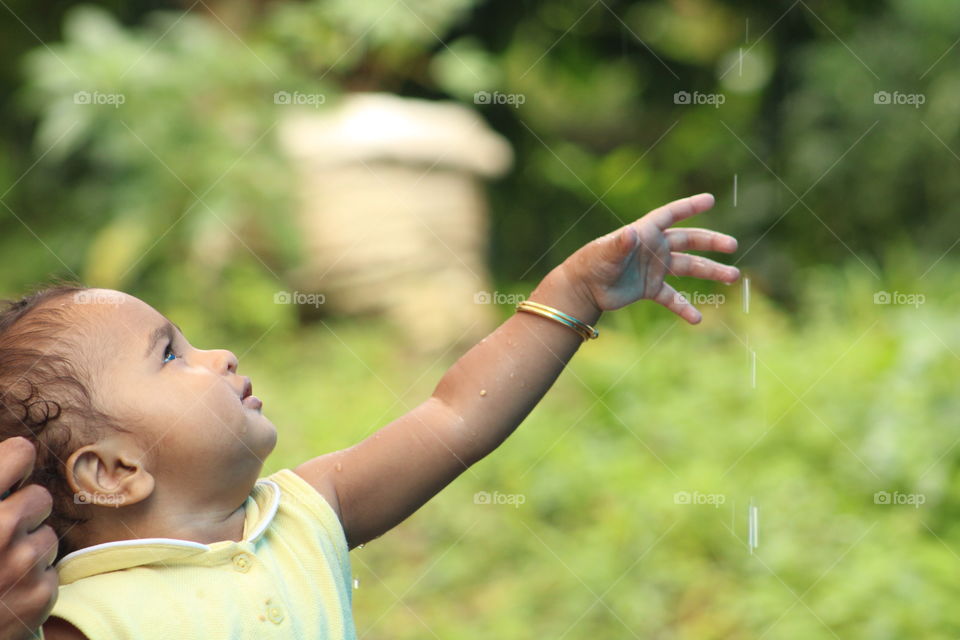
(113, 320)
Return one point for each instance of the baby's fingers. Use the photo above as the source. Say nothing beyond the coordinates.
(674, 212)
(694, 239)
(672, 300)
(684, 264)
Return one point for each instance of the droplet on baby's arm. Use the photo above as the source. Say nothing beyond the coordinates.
(339, 467)
(483, 392)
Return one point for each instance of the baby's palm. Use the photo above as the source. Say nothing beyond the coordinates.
(631, 263)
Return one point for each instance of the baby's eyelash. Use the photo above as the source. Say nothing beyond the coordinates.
(169, 350)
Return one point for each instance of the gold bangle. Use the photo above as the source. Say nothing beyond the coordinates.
(582, 328)
(586, 331)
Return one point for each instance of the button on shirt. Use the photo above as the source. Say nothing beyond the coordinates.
(289, 577)
(242, 562)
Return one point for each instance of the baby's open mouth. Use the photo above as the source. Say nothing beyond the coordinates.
(247, 399)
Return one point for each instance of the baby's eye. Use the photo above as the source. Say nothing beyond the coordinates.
(167, 353)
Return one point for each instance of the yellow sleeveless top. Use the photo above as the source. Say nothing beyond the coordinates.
(289, 578)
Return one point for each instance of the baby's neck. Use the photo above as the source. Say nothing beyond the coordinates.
(205, 526)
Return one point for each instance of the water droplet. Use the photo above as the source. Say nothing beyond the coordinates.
(483, 392)
(511, 375)
(339, 467)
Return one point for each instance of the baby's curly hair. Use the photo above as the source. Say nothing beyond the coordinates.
(45, 392)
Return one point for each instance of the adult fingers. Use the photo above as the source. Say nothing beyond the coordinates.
(684, 264)
(27, 563)
(27, 508)
(17, 456)
(45, 593)
(695, 239)
(673, 212)
(672, 300)
(44, 544)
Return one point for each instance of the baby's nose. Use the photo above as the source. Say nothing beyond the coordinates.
(221, 360)
(231, 361)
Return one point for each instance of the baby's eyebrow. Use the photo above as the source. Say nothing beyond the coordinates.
(158, 334)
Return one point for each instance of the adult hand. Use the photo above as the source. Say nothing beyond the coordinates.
(28, 582)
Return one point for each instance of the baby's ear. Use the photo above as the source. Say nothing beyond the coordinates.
(108, 474)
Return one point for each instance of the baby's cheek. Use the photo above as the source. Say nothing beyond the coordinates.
(209, 395)
(225, 413)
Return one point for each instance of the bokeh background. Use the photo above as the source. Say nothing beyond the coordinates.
(142, 148)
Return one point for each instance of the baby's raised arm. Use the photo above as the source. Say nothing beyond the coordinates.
(377, 483)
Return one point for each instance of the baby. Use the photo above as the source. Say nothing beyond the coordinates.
(152, 448)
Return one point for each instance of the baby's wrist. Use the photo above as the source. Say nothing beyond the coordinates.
(564, 291)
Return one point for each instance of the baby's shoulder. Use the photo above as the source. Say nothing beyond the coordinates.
(306, 502)
(319, 473)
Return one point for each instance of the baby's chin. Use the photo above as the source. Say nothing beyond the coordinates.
(272, 440)
(266, 436)
(249, 457)
(247, 442)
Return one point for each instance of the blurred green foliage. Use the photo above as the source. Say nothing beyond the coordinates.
(189, 160)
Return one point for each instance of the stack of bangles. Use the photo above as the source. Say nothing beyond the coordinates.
(586, 331)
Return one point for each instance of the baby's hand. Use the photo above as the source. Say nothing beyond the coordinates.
(630, 264)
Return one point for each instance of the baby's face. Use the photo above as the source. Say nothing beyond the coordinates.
(185, 405)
